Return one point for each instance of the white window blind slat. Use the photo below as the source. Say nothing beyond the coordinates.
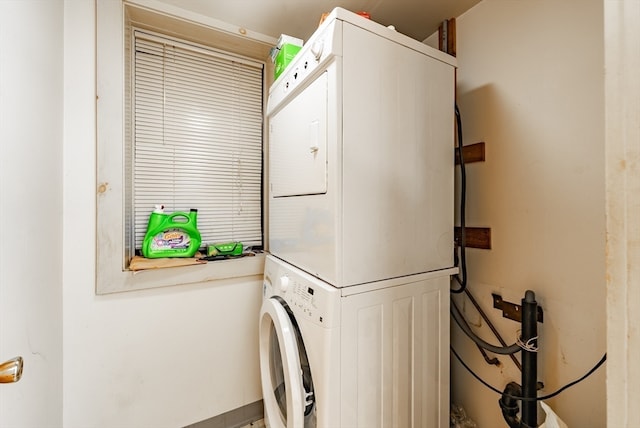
(197, 138)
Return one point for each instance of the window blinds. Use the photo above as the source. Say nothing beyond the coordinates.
(197, 140)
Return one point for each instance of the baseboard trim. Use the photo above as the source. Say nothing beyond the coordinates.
(235, 418)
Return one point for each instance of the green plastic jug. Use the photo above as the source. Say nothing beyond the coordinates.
(171, 235)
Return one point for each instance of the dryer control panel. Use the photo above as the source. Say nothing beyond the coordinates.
(313, 56)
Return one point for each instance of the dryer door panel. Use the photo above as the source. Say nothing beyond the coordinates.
(298, 143)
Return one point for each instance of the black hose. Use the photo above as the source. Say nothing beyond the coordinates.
(501, 350)
(462, 281)
(520, 398)
(509, 405)
(491, 326)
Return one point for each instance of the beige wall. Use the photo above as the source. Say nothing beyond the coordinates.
(531, 85)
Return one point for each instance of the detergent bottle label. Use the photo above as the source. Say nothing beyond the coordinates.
(171, 239)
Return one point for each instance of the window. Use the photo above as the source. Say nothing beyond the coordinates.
(197, 138)
(179, 123)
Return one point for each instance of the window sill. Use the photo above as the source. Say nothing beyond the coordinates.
(165, 277)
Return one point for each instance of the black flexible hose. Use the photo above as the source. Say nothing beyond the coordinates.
(501, 350)
(509, 405)
(541, 398)
(461, 280)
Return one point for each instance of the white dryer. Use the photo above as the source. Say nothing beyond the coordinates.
(361, 155)
(375, 355)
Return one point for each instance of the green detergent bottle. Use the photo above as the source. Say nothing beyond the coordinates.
(171, 235)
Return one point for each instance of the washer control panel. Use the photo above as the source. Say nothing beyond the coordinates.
(307, 297)
(301, 297)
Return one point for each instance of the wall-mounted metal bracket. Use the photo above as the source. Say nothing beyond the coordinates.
(512, 310)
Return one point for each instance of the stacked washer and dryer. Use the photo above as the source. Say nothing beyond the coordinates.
(354, 326)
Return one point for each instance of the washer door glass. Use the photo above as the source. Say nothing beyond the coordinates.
(276, 370)
(282, 386)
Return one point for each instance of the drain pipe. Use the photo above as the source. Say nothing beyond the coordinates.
(528, 392)
(529, 360)
(509, 405)
(528, 345)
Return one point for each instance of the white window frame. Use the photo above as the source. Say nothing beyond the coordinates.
(114, 19)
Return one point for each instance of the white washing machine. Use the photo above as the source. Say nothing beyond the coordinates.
(374, 355)
(361, 155)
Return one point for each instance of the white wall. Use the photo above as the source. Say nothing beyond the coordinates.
(31, 137)
(530, 84)
(165, 357)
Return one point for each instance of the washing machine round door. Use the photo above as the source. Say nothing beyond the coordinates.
(280, 367)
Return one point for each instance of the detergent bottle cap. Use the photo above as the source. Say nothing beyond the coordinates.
(159, 209)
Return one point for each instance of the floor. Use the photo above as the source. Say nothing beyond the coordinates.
(256, 424)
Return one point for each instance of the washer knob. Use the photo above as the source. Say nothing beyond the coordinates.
(284, 283)
(316, 49)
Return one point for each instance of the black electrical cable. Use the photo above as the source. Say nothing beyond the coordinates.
(463, 196)
(457, 316)
(544, 397)
(501, 350)
(478, 378)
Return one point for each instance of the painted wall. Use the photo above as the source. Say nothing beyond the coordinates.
(31, 138)
(530, 85)
(159, 358)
